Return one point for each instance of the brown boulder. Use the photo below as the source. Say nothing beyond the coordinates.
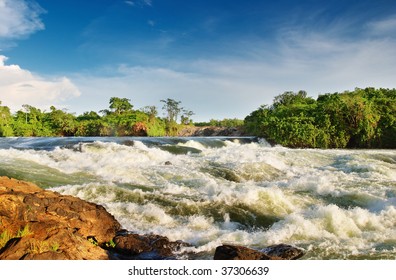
(278, 252)
(284, 251)
(58, 226)
(135, 246)
(232, 252)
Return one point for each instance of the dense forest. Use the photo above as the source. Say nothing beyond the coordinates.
(363, 118)
(120, 119)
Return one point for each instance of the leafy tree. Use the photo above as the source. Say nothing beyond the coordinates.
(157, 128)
(120, 105)
(30, 122)
(89, 124)
(151, 111)
(186, 117)
(363, 118)
(172, 109)
(87, 116)
(5, 122)
(61, 122)
(289, 98)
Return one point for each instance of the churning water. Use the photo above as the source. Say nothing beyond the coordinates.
(336, 204)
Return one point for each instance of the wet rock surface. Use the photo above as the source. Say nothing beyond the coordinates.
(210, 131)
(277, 252)
(284, 251)
(135, 246)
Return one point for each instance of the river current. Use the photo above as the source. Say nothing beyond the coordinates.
(335, 204)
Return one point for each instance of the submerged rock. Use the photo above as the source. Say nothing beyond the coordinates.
(129, 143)
(278, 252)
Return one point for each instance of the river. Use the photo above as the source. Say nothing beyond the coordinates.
(335, 204)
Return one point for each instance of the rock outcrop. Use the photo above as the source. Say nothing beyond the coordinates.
(277, 252)
(207, 131)
(145, 247)
(46, 225)
(284, 251)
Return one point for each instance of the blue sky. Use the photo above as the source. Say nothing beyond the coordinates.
(221, 59)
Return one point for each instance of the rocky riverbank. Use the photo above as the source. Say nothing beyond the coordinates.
(39, 224)
(211, 131)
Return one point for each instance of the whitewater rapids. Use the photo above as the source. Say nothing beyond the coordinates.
(335, 204)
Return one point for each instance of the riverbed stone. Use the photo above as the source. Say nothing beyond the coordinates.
(278, 252)
(284, 251)
(149, 246)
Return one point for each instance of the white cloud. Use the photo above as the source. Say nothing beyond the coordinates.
(19, 18)
(19, 86)
(130, 3)
(327, 62)
(385, 27)
(139, 3)
(148, 2)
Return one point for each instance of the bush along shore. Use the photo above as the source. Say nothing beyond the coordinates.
(363, 118)
(37, 224)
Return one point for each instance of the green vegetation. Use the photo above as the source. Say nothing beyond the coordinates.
(110, 244)
(39, 247)
(54, 247)
(5, 121)
(222, 123)
(120, 119)
(4, 238)
(93, 241)
(23, 232)
(7, 236)
(363, 118)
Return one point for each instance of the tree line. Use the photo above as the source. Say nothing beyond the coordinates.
(363, 118)
(120, 119)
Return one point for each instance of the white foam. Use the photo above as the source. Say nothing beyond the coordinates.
(293, 186)
(192, 144)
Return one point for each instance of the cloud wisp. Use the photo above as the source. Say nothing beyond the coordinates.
(19, 18)
(385, 27)
(141, 3)
(19, 86)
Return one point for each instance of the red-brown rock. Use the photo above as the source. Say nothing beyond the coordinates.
(278, 252)
(57, 226)
(135, 246)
